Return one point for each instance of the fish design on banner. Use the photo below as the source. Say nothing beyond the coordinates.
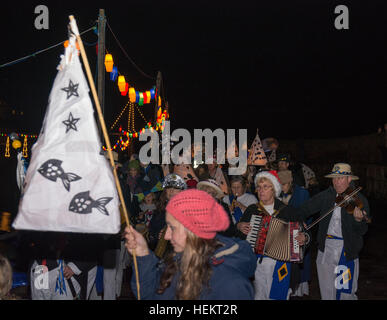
(52, 170)
(82, 203)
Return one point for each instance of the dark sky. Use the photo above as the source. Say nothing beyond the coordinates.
(280, 66)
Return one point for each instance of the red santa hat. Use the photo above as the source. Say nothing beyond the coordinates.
(274, 179)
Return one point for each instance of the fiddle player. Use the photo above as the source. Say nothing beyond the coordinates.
(339, 237)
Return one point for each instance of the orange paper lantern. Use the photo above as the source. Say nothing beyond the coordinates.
(121, 83)
(109, 62)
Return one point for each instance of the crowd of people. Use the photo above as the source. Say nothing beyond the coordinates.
(192, 228)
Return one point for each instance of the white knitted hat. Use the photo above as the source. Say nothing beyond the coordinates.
(273, 177)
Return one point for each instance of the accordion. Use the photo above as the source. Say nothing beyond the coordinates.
(275, 238)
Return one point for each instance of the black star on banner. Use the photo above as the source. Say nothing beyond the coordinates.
(71, 90)
(70, 123)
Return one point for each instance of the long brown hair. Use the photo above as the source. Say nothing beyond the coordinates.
(194, 268)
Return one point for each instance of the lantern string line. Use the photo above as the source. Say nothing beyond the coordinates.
(126, 54)
(40, 51)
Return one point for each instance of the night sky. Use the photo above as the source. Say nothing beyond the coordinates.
(280, 66)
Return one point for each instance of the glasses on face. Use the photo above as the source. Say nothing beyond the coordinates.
(264, 187)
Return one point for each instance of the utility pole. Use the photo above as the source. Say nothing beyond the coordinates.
(158, 89)
(101, 62)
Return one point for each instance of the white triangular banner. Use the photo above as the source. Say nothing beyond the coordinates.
(69, 185)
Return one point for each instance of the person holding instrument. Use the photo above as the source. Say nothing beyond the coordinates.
(340, 233)
(203, 265)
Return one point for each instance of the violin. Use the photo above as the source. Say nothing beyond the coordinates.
(349, 200)
(351, 203)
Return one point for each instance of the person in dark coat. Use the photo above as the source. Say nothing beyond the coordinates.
(203, 264)
(339, 236)
(284, 163)
(293, 195)
(172, 185)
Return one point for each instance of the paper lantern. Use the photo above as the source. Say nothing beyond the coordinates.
(137, 97)
(152, 92)
(141, 100)
(145, 97)
(114, 73)
(123, 93)
(121, 83)
(132, 95)
(109, 62)
(159, 102)
(148, 97)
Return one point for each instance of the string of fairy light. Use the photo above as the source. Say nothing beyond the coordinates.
(16, 143)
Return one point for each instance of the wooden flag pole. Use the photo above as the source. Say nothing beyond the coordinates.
(74, 28)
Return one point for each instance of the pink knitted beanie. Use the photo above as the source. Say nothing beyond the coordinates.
(198, 212)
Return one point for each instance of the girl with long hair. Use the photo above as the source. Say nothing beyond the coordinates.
(203, 265)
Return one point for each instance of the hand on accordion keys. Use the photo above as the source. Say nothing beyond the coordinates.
(244, 227)
(301, 238)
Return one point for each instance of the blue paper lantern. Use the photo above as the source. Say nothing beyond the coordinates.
(152, 92)
(137, 97)
(114, 73)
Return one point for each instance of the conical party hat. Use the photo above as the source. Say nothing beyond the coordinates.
(257, 156)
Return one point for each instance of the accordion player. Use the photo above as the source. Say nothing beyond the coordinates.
(273, 235)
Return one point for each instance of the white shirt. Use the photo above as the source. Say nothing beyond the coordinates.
(334, 228)
(270, 208)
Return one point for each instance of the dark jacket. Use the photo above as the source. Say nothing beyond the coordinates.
(299, 196)
(352, 230)
(149, 176)
(231, 231)
(232, 266)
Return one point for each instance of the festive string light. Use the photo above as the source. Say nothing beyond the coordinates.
(7, 154)
(25, 153)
